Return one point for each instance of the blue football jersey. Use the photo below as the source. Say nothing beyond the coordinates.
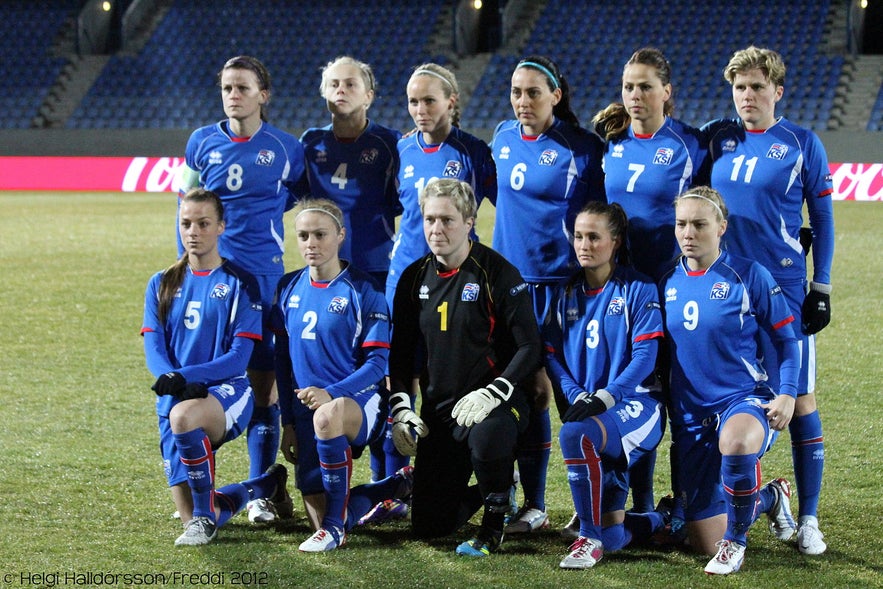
(253, 177)
(543, 182)
(712, 320)
(337, 333)
(209, 311)
(765, 177)
(592, 336)
(644, 175)
(360, 177)
(461, 156)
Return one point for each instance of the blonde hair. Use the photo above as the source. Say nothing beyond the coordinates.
(461, 194)
(319, 205)
(709, 195)
(756, 58)
(365, 72)
(449, 85)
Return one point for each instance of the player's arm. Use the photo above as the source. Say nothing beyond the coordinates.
(646, 331)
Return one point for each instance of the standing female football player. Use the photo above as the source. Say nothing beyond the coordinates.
(601, 345)
(201, 318)
(332, 328)
(437, 149)
(724, 414)
(547, 169)
(250, 165)
(769, 168)
(462, 316)
(353, 162)
(649, 159)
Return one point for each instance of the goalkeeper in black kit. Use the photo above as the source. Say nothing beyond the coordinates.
(462, 319)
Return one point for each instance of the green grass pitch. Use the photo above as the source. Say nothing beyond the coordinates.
(82, 490)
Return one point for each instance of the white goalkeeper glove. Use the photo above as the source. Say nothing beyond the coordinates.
(403, 421)
(478, 404)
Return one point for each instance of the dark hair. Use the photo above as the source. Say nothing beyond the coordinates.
(617, 224)
(554, 79)
(252, 64)
(173, 276)
(614, 120)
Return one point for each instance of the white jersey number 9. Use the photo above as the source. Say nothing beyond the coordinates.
(691, 315)
(191, 315)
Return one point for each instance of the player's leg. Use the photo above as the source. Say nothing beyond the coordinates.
(534, 452)
(231, 499)
(581, 445)
(307, 473)
(492, 446)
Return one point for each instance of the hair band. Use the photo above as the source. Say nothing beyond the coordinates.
(706, 199)
(318, 210)
(422, 72)
(543, 69)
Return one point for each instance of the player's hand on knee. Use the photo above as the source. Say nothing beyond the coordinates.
(478, 404)
(193, 390)
(170, 383)
(586, 405)
(406, 425)
(815, 312)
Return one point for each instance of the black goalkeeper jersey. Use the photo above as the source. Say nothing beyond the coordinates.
(465, 327)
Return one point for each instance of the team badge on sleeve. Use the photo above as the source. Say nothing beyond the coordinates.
(220, 291)
(452, 169)
(265, 158)
(470, 292)
(664, 156)
(720, 291)
(777, 151)
(338, 304)
(548, 157)
(616, 306)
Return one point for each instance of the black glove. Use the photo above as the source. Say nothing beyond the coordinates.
(170, 383)
(194, 390)
(586, 405)
(816, 310)
(805, 237)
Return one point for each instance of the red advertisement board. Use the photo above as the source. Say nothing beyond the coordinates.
(863, 182)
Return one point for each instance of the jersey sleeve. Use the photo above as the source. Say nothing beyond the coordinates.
(820, 207)
(513, 300)
(646, 321)
(406, 333)
(775, 316)
(374, 343)
(285, 383)
(553, 343)
(485, 173)
(153, 332)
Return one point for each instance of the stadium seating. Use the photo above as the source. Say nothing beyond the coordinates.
(171, 83)
(591, 40)
(876, 120)
(28, 68)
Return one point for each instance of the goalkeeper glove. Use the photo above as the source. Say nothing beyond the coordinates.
(403, 421)
(586, 405)
(478, 404)
(816, 310)
(170, 383)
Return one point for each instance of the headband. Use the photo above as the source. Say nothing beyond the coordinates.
(318, 210)
(423, 72)
(706, 199)
(543, 69)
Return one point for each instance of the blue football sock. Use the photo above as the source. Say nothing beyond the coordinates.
(615, 537)
(231, 499)
(741, 481)
(197, 456)
(641, 526)
(579, 441)
(641, 482)
(535, 449)
(336, 462)
(808, 455)
(264, 431)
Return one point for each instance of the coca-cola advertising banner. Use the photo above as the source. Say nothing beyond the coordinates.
(160, 174)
